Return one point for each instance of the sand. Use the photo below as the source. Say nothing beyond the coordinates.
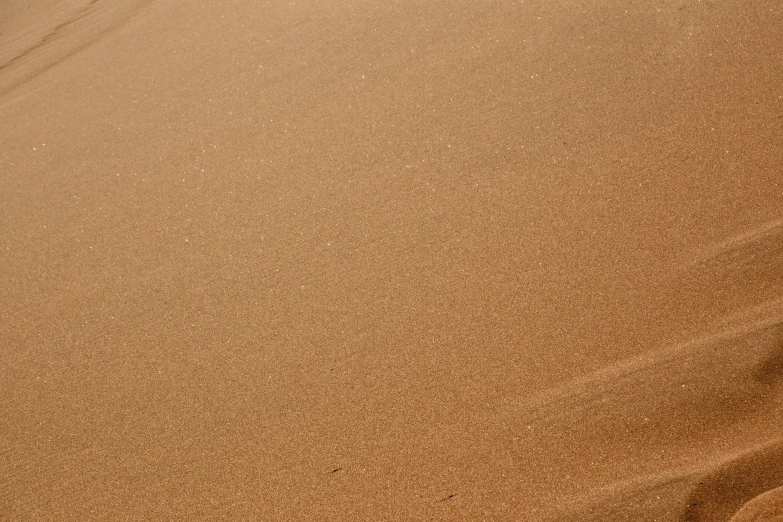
(341, 260)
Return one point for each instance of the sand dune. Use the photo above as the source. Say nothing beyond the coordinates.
(685, 433)
(764, 507)
(320, 260)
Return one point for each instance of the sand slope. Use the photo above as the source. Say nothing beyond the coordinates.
(323, 260)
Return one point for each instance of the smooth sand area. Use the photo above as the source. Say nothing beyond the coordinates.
(347, 260)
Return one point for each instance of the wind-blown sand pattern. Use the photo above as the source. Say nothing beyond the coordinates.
(329, 260)
(40, 34)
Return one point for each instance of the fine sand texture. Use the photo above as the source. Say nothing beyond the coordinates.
(359, 260)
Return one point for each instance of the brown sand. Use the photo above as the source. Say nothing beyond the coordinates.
(425, 260)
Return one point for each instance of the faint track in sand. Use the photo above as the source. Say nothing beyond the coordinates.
(32, 51)
(765, 240)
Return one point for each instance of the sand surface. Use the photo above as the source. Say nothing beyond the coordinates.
(391, 260)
